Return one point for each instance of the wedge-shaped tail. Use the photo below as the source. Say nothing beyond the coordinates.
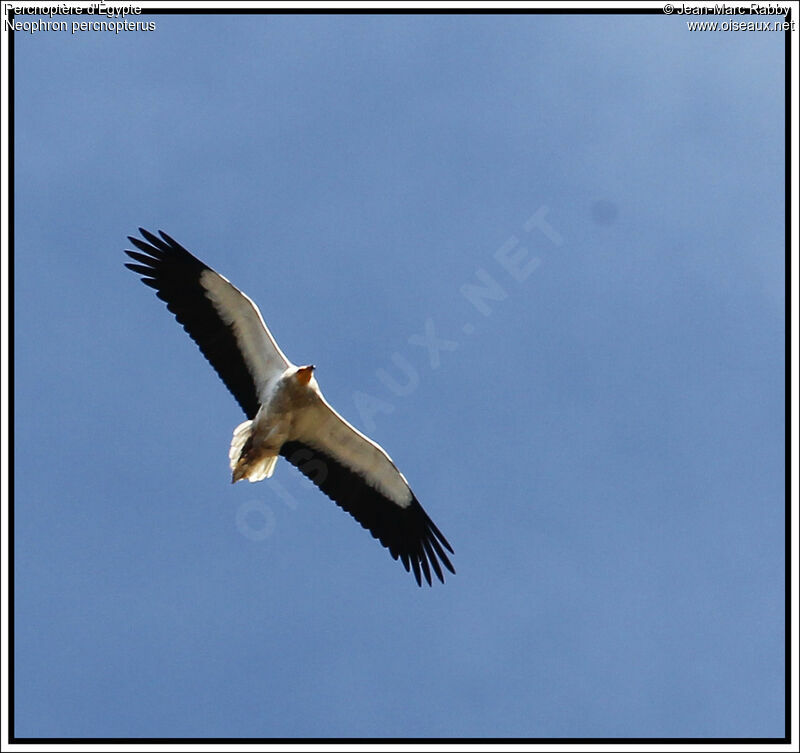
(247, 461)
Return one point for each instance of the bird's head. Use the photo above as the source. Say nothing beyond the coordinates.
(304, 374)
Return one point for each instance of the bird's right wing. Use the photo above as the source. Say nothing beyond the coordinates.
(223, 321)
(361, 478)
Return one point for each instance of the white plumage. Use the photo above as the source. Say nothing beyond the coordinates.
(287, 414)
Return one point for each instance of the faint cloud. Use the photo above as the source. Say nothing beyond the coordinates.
(604, 212)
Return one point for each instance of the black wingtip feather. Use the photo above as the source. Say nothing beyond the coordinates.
(439, 535)
(415, 567)
(139, 269)
(156, 254)
(155, 240)
(440, 552)
(143, 258)
(169, 239)
(432, 559)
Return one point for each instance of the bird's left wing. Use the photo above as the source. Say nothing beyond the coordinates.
(223, 321)
(361, 478)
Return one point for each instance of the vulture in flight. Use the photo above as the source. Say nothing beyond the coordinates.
(287, 414)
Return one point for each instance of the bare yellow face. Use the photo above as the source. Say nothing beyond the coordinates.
(304, 374)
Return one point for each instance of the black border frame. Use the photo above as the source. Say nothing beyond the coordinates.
(786, 739)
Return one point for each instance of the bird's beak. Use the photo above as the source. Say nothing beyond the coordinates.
(304, 374)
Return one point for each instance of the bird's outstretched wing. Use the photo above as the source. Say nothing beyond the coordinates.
(361, 478)
(221, 319)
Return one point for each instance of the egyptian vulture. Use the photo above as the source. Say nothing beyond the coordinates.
(287, 414)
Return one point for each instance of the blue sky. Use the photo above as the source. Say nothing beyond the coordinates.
(601, 441)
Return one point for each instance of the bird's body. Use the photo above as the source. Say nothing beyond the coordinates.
(287, 415)
(257, 443)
